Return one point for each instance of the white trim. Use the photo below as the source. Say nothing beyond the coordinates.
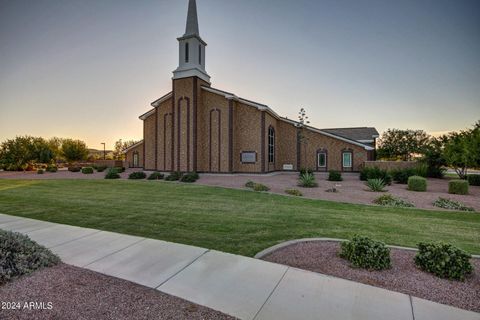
(318, 159)
(365, 141)
(157, 102)
(133, 146)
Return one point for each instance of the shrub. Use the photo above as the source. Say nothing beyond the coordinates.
(260, 187)
(375, 173)
(366, 253)
(458, 186)
(401, 175)
(451, 205)
(294, 192)
(19, 255)
(334, 176)
(250, 184)
(421, 170)
(74, 169)
(87, 170)
(40, 171)
(305, 170)
(443, 260)
(390, 201)
(155, 176)
(137, 175)
(307, 180)
(100, 168)
(190, 177)
(174, 176)
(375, 185)
(120, 169)
(51, 168)
(474, 179)
(416, 183)
(112, 174)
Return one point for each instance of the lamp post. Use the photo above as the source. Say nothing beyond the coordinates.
(103, 150)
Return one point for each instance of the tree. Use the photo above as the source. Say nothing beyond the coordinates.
(302, 138)
(74, 150)
(120, 146)
(462, 150)
(402, 144)
(15, 154)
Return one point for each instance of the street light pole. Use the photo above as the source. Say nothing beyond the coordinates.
(104, 157)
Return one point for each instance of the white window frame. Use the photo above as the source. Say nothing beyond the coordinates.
(136, 159)
(343, 159)
(318, 159)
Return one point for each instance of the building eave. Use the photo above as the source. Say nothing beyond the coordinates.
(139, 143)
(155, 104)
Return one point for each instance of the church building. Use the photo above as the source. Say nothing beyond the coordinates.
(197, 127)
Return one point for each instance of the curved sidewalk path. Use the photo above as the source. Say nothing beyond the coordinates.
(243, 287)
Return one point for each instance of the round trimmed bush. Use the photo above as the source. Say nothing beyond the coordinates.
(87, 170)
(155, 176)
(19, 255)
(112, 174)
(443, 260)
(334, 176)
(417, 183)
(458, 186)
(366, 253)
(137, 175)
(190, 177)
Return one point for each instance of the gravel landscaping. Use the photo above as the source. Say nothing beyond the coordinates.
(77, 293)
(322, 257)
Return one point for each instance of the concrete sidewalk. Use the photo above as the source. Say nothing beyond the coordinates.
(239, 286)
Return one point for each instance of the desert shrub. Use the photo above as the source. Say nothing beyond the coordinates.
(474, 179)
(443, 260)
(421, 170)
(416, 183)
(401, 175)
(334, 175)
(112, 174)
(190, 177)
(260, 187)
(250, 184)
(100, 168)
(375, 185)
(294, 192)
(137, 175)
(174, 176)
(458, 186)
(390, 201)
(74, 169)
(307, 180)
(19, 255)
(155, 176)
(51, 168)
(451, 205)
(40, 171)
(366, 253)
(305, 170)
(87, 170)
(375, 173)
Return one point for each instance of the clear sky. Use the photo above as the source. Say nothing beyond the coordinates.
(88, 68)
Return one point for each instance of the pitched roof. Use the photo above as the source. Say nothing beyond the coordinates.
(361, 134)
(132, 146)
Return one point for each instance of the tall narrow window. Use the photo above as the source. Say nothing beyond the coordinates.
(347, 159)
(187, 52)
(322, 159)
(271, 144)
(200, 54)
(135, 159)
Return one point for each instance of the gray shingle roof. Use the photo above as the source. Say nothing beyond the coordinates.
(362, 134)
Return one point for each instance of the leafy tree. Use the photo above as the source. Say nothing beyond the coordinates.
(434, 159)
(15, 154)
(120, 146)
(74, 150)
(402, 144)
(462, 150)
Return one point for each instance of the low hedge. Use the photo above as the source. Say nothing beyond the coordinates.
(189, 177)
(138, 175)
(87, 170)
(112, 174)
(474, 179)
(443, 260)
(174, 176)
(417, 183)
(366, 253)
(156, 176)
(458, 186)
(334, 175)
(20, 255)
(74, 169)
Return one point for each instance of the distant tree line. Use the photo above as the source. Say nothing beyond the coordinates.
(458, 150)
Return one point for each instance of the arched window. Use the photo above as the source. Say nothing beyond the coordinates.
(271, 144)
(135, 159)
(200, 54)
(187, 49)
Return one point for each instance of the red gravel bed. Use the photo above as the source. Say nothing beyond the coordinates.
(77, 293)
(404, 276)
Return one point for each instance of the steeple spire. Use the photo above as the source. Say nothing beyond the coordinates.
(192, 20)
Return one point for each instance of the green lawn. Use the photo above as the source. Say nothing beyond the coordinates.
(235, 221)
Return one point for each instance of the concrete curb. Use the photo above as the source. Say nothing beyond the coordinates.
(271, 249)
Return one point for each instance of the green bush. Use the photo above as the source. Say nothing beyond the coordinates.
(19, 255)
(334, 175)
(174, 176)
(307, 180)
(375, 173)
(190, 177)
(87, 170)
(366, 253)
(137, 175)
(51, 168)
(100, 168)
(474, 179)
(458, 186)
(401, 175)
(120, 169)
(294, 192)
(443, 260)
(155, 176)
(250, 184)
(112, 174)
(305, 170)
(421, 170)
(375, 185)
(416, 183)
(74, 169)
(451, 205)
(260, 187)
(40, 171)
(390, 201)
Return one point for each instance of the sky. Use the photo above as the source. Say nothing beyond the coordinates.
(87, 69)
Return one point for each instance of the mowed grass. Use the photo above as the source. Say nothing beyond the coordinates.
(236, 221)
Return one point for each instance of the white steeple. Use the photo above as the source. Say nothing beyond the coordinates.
(191, 49)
